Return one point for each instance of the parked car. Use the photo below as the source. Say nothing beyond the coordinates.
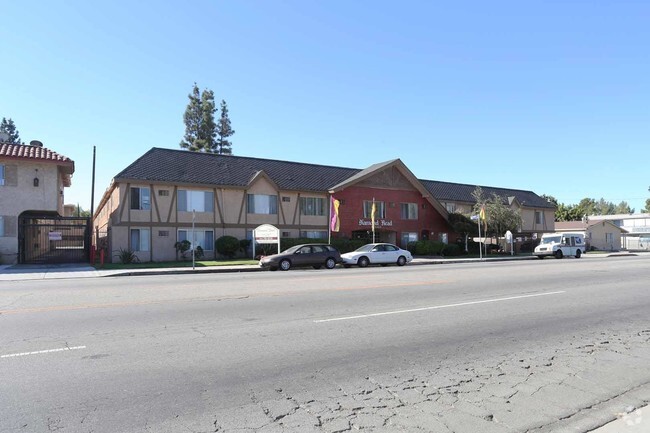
(382, 254)
(315, 255)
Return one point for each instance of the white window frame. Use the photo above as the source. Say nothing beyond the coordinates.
(412, 237)
(313, 234)
(451, 207)
(143, 203)
(142, 234)
(188, 235)
(379, 205)
(539, 217)
(268, 204)
(312, 206)
(410, 208)
(195, 200)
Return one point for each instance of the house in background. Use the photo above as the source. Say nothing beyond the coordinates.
(156, 200)
(636, 229)
(32, 181)
(599, 235)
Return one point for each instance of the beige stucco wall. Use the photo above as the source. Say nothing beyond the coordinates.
(596, 236)
(19, 194)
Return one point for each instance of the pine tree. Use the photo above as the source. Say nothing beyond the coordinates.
(200, 127)
(224, 130)
(7, 126)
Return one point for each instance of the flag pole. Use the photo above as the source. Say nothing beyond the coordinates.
(329, 223)
(480, 247)
(372, 218)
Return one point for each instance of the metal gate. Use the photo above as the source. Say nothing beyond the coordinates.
(45, 239)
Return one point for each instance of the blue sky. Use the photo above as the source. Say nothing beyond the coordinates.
(551, 96)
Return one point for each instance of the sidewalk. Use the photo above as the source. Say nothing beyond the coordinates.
(48, 272)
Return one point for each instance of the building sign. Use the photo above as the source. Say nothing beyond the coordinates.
(266, 234)
(55, 236)
(378, 223)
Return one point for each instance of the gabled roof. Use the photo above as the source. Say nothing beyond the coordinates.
(403, 169)
(35, 153)
(458, 192)
(181, 166)
(581, 226)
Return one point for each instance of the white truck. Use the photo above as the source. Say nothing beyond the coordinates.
(559, 245)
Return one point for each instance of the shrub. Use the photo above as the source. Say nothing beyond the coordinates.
(127, 256)
(227, 246)
(426, 248)
(198, 252)
(182, 247)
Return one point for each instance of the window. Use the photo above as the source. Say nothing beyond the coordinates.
(2, 174)
(163, 233)
(451, 207)
(379, 206)
(140, 199)
(286, 199)
(199, 201)
(408, 237)
(203, 238)
(539, 217)
(140, 239)
(312, 206)
(163, 192)
(313, 234)
(2, 224)
(409, 211)
(263, 204)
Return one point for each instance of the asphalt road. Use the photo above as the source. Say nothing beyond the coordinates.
(553, 345)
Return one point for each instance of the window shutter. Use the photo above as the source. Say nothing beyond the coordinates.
(182, 200)
(11, 175)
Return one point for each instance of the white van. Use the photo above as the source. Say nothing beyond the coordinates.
(559, 245)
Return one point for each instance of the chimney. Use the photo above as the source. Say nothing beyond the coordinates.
(35, 143)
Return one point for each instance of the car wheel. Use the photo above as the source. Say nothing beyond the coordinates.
(363, 262)
(330, 263)
(578, 254)
(558, 254)
(316, 266)
(401, 261)
(285, 265)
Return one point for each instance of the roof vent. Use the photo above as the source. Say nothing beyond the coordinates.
(36, 143)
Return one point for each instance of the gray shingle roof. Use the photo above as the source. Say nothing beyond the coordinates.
(458, 192)
(181, 166)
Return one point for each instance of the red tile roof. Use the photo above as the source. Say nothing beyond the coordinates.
(23, 151)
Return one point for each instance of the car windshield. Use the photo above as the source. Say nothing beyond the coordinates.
(551, 240)
(365, 248)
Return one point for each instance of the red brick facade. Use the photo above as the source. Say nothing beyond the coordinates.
(429, 222)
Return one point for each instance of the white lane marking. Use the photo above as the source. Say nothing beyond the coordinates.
(38, 352)
(437, 307)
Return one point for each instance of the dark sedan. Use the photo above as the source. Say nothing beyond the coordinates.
(315, 255)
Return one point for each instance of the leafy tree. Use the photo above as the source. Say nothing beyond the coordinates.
(568, 213)
(500, 217)
(550, 199)
(604, 207)
(647, 206)
(623, 207)
(182, 247)
(463, 225)
(587, 206)
(81, 212)
(8, 127)
(224, 130)
(200, 127)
